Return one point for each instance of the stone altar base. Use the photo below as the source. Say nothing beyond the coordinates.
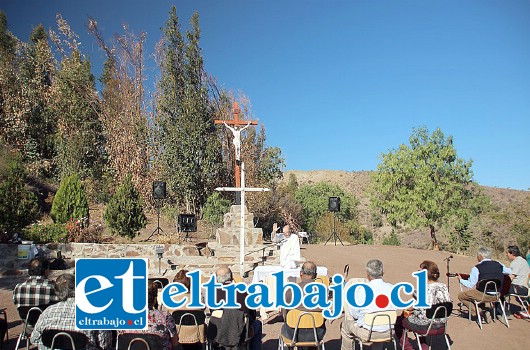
(229, 233)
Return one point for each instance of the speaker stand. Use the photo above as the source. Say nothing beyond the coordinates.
(334, 235)
(187, 237)
(158, 229)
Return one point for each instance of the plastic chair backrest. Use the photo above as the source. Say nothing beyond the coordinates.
(64, 339)
(440, 310)
(304, 319)
(489, 285)
(380, 318)
(30, 314)
(137, 341)
(323, 279)
(237, 278)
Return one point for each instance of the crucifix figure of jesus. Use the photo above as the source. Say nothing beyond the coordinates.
(237, 125)
(237, 138)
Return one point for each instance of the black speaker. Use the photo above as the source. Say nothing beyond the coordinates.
(159, 189)
(187, 223)
(334, 204)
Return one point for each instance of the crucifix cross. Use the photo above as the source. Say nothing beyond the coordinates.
(242, 189)
(236, 125)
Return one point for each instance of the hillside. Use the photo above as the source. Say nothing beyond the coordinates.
(357, 183)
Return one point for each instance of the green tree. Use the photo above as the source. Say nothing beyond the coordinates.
(75, 103)
(191, 158)
(70, 201)
(424, 184)
(36, 73)
(124, 213)
(80, 139)
(314, 200)
(12, 126)
(26, 74)
(18, 205)
(215, 208)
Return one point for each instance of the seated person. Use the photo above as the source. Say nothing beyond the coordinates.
(308, 273)
(290, 249)
(519, 275)
(486, 269)
(61, 316)
(356, 327)
(418, 321)
(159, 322)
(37, 290)
(231, 331)
(177, 314)
(520, 271)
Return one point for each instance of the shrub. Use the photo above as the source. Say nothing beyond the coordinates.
(47, 233)
(124, 213)
(215, 208)
(79, 233)
(392, 239)
(70, 201)
(18, 205)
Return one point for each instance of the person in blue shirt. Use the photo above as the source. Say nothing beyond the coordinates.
(486, 269)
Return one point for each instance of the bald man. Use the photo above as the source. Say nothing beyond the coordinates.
(224, 276)
(290, 249)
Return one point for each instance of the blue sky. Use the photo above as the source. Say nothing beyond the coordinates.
(337, 83)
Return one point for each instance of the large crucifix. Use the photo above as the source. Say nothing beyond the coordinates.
(237, 125)
(242, 189)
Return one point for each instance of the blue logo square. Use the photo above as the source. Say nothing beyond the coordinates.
(111, 294)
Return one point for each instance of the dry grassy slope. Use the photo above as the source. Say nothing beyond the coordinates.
(357, 183)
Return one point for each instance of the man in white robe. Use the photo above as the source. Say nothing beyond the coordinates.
(290, 250)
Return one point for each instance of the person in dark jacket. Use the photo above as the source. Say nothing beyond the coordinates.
(227, 329)
(486, 269)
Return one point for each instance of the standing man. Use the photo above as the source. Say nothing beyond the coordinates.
(37, 290)
(486, 269)
(290, 249)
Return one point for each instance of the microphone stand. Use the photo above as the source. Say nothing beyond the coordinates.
(449, 275)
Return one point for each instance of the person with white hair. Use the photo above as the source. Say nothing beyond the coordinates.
(356, 327)
(486, 269)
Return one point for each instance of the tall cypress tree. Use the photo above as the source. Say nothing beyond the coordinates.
(192, 154)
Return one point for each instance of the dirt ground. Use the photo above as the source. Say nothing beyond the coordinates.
(399, 263)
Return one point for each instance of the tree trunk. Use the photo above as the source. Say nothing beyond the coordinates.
(434, 241)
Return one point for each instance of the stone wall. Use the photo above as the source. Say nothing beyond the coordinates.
(175, 256)
(206, 256)
(231, 230)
